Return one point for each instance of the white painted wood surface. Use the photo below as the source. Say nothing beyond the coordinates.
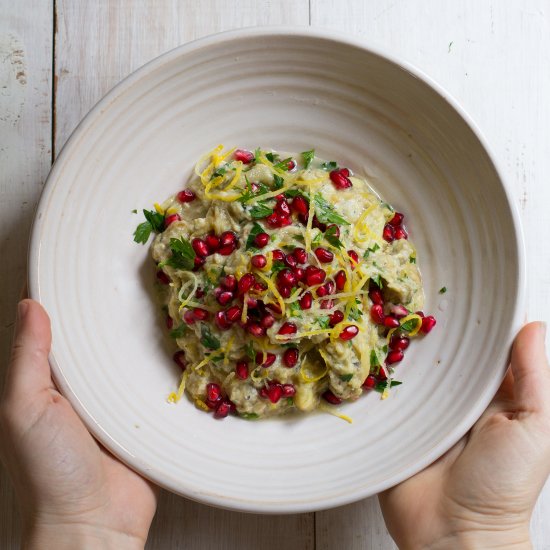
(492, 55)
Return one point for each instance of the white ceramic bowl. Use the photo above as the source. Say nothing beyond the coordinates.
(290, 89)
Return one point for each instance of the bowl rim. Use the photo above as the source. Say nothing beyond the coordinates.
(317, 33)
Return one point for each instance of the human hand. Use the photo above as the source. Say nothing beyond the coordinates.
(481, 493)
(72, 492)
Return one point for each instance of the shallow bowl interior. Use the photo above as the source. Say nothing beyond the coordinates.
(292, 90)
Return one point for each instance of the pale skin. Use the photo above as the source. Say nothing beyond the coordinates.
(74, 494)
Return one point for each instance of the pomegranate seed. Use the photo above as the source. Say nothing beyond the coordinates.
(241, 370)
(263, 392)
(400, 343)
(284, 220)
(376, 297)
(200, 314)
(246, 282)
(340, 179)
(169, 323)
(388, 233)
(252, 303)
(269, 360)
(198, 262)
(267, 320)
(226, 250)
(272, 220)
(420, 314)
(213, 392)
(229, 282)
(327, 304)
(254, 187)
(382, 374)
(286, 278)
(290, 165)
(391, 322)
(222, 410)
(334, 230)
(401, 233)
(259, 288)
(331, 398)
(316, 223)
(300, 206)
(275, 308)
(199, 293)
(335, 318)
(162, 278)
(300, 255)
(261, 240)
(314, 275)
(284, 291)
(246, 157)
(275, 392)
(255, 329)
(259, 261)
(224, 298)
(290, 261)
(397, 219)
(377, 314)
(321, 291)
(189, 317)
(221, 320)
(212, 242)
(351, 331)
(340, 279)
(171, 219)
(299, 273)
(228, 238)
(369, 382)
(428, 323)
(398, 311)
(288, 390)
(306, 300)
(288, 328)
(330, 286)
(290, 357)
(394, 356)
(233, 313)
(282, 208)
(280, 197)
(354, 258)
(179, 359)
(186, 196)
(323, 255)
(200, 247)
(278, 255)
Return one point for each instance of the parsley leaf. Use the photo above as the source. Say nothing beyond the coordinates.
(219, 173)
(372, 248)
(412, 259)
(282, 165)
(271, 157)
(410, 324)
(377, 280)
(178, 332)
(249, 416)
(355, 313)
(134, 211)
(294, 309)
(330, 236)
(317, 238)
(256, 230)
(155, 222)
(383, 385)
(346, 377)
(249, 350)
(291, 193)
(207, 339)
(330, 166)
(278, 182)
(374, 361)
(442, 290)
(249, 194)
(142, 232)
(260, 210)
(307, 157)
(326, 212)
(183, 255)
(323, 321)
(277, 266)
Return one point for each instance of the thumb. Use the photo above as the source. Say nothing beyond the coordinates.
(29, 370)
(530, 368)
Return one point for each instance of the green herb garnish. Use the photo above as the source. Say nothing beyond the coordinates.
(249, 350)
(346, 377)
(208, 340)
(183, 255)
(249, 416)
(260, 210)
(277, 266)
(278, 182)
(330, 236)
(323, 321)
(219, 173)
(412, 259)
(271, 157)
(155, 222)
(382, 386)
(178, 332)
(374, 361)
(330, 166)
(370, 250)
(442, 290)
(283, 165)
(326, 213)
(410, 324)
(254, 232)
(377, 280)
(307, 157)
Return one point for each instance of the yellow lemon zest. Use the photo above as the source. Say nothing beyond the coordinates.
(206, 157)
(159, 208)
(329, 410)
(195, 283)
(227, 349)
(175, 397)
(200, 404)
(244, 313)
(274, 290)
(311, 379)
(415, 330)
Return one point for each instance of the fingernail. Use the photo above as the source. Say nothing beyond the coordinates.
(22, 309)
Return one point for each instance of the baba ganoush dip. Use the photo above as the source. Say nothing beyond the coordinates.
(286, 281)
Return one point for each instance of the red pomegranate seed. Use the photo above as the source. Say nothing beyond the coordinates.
(288, 328)
(388, 233)
(189, 317)
(213, 392)
(335, 318)
(284, 291)
(354, 258)
(280, 197)
(316, 223)
(282, 208)
(401, 233)
(299, 273)
(275, 392)
(340, 179)
(269, 360)
(376, 297)
(200, 247)
(229, 282)
(300, 255)
(162, 278)
(382, 374)
(340, 279)
(179, 359)
(224, 298)
(323, 255)
(198, 262)
(321, 291)
(327, 304)
(263, 392)
(419, 313)
(278, 255)
(222, 321)
(400, 343)
(285, 277)
(398, 311)
(252, 303)
(394, 356)
(331, 398)
(228, 238)
(330, 286)
(254, 186)
(290, 357)
(369, 382)
(349, 332)
(226, 250)
(300, 206)
(397, 219)
(186, 196)
(288, 390)
(290, 165)
(314, 275)
(334, 230)
(255, 329)
(241, 370)
(233, 313)
(261, 240)
(199, 293)
(377, 314)
(259, 261)
(169, 323)
(259, 287)
(272, 220)
(284, 220)
(171, 219)
(275, 308)
(212, 242)
(246, 157)
(391, 322)
(290, 261)
(306, 300)
(267, 320)
(200, 314)
(428, 323)
(246, 282)
(222, 410)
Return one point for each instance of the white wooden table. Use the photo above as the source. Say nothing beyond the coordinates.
(58, 57)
